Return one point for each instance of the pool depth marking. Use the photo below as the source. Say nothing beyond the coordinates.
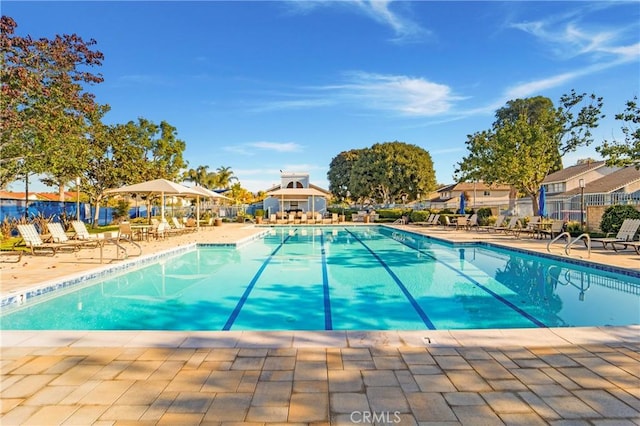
(328, 325)
(405, 291)
(481, 286)
(245, 295)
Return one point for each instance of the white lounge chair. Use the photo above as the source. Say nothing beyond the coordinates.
(626, 233)
(59, 236)
(32, 240)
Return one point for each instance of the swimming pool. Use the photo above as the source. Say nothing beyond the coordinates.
(342, 278)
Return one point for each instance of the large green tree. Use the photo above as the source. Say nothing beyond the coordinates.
(389, 171)
(624, 153)
(527, 141)
(44, 108)
(339, 174)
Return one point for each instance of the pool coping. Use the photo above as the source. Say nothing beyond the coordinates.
(487, 338)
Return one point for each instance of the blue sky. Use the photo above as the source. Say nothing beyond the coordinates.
(268, 86)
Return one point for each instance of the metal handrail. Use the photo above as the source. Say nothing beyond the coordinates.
(567, 248)
(563, 234)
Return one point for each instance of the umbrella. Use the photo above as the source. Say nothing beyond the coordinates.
(462, 203)
(542, 212)
(157, 186)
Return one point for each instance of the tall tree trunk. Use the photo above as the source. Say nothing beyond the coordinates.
(96, 214)
(61, 192)
(534, 204)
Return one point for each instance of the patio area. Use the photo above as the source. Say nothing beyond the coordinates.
(468, 377)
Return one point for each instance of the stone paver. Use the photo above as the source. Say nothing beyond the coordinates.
(295, 385)
(585, 376)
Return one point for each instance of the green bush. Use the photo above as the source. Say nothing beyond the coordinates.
(484, 214)
(259, 213)
(613, 217)
(419, 215)
(391, 213)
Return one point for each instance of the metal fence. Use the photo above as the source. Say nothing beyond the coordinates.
(571, 208)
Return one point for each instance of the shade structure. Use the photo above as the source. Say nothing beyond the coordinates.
(204, 192)
(462, 204)
(304, 192)
(160, 187)
(542, 200)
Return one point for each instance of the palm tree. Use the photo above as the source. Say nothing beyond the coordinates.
(224, 177)
(197, 175)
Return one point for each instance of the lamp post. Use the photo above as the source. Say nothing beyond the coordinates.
(78, 198)
(581, 183)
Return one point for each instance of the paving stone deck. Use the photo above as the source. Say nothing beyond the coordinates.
(566, 376)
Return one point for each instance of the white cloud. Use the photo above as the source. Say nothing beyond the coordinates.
(411, 96)
(276, 146)
(571, 39)
(251, 148)
(292, 104)
(404, 28)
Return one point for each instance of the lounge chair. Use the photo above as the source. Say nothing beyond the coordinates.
(472, 222)
(448, 222)
(633, 244)
(82, 233)
(433, 220)
(498, 224)
(32, 240)
(180, 227)
(627, 232)
(425, 222)
(59, 236)
(334, 217)
(512, 227)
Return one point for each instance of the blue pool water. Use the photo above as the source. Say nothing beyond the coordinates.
(346, 278)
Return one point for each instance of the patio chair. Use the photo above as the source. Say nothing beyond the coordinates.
(533, 226)
(626, 233)
(32, 240)
(60, 236)
(425, 222)
(334, 217)
(303, 218)
(462, 223)
(557, 227)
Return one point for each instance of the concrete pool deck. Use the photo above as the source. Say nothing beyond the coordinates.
(469, 377)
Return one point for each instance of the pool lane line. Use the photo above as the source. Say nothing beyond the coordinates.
(247, 291)
(405, 291)
(328, 325)
(481, 286)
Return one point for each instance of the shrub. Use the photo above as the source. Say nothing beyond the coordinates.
(613, 217)
(259, 213)
(483, 215)
(419, 215)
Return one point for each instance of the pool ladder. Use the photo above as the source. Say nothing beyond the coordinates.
(567, 247)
